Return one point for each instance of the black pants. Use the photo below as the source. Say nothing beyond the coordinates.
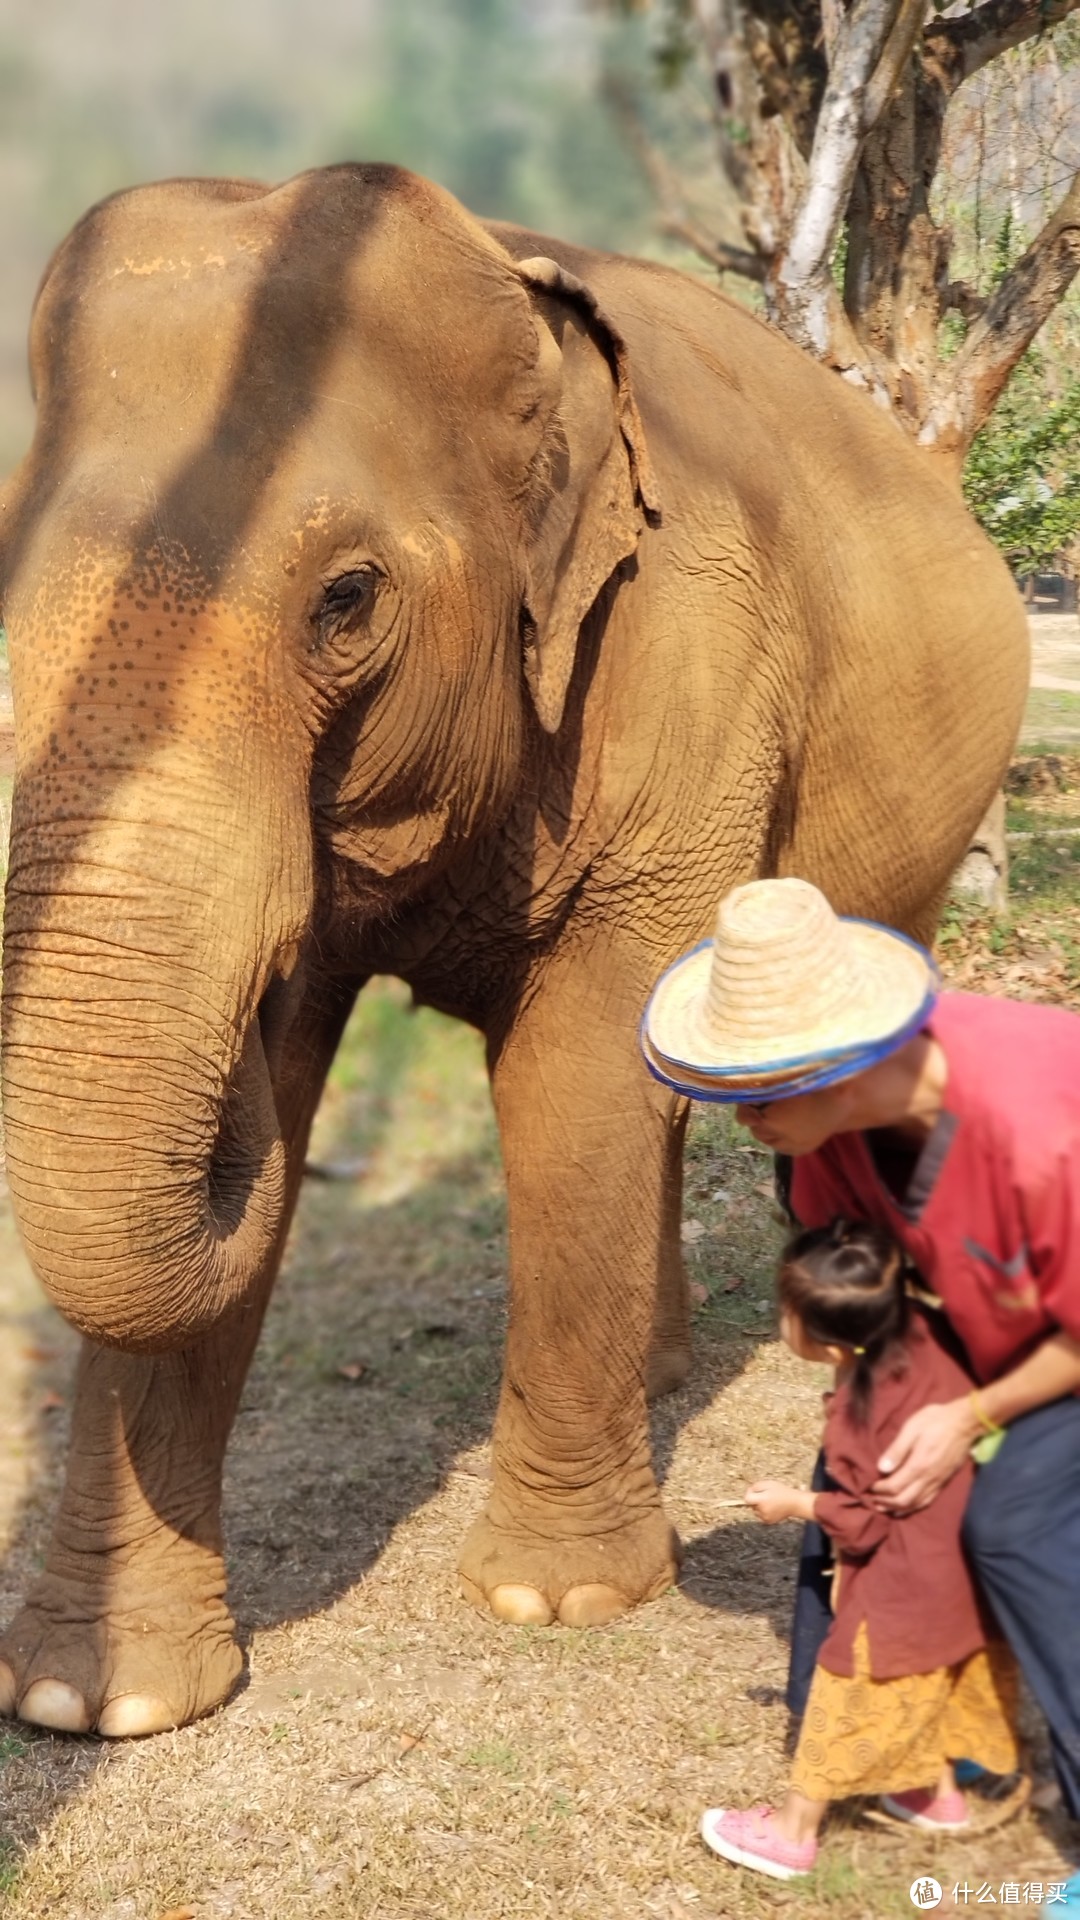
(1022, 1533)
(813, 1613)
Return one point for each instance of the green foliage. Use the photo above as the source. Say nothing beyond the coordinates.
(483, 96)
(1022, 479)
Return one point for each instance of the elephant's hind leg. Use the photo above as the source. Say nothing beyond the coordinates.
(575, 1530)
(669, 1345)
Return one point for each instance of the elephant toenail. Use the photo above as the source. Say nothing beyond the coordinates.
(132, 1714)
(521, 1606)
(52, 1703)
(9, 1692)
(591, 1605)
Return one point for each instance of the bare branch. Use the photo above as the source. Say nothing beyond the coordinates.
(958, 297)
(962, 45)
(674, 218)
(726, 259)
(1015, 312)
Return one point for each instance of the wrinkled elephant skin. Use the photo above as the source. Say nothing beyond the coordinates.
(387, 593)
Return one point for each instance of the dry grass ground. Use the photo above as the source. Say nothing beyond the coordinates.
(393, 1754)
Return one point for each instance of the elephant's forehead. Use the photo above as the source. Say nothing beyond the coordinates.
(180, 309)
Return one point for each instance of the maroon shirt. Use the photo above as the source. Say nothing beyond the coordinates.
(991, 1211)
(906, 1574)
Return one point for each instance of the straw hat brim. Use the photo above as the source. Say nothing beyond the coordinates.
(893, 981)
(759, 1089)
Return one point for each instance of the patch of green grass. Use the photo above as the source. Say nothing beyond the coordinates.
(1053, 717)
(710, 1738)
(494, 1756)
(836, 1878)
(1022, 817)
(10, 1866)
(1045, 872)
(12, 1747)
(1037, 749)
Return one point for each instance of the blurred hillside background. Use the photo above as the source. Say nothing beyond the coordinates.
(585, 118)
(497, 99)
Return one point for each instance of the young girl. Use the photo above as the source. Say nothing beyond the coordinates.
(908, 1677)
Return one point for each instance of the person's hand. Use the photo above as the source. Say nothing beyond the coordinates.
(774, 1500)
(926, 1452)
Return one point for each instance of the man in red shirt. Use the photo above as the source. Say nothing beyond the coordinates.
(959, 1131)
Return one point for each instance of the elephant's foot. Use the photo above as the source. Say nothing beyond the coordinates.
(92, 1656)
(533, 1580)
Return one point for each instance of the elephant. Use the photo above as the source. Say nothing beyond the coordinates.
(393, 593)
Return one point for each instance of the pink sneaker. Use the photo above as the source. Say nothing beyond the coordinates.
(750, 1839)
(944, 1813)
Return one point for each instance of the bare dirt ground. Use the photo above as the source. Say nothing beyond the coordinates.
(391, 1753)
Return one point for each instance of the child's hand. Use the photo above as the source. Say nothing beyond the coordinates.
(774, 1500)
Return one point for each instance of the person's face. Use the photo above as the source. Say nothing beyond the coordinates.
(801, 1124)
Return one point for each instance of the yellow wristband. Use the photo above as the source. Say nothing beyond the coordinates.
(989, 1425)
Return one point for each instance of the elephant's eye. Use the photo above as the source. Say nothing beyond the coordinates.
(347, 600)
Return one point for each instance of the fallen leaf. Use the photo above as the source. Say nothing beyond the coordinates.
(765, 1188)
(353, 1369)
(179, 1913)
(698, 1293)
(690, 1231)
(39, 1356)
(732, 1285)
(407, 1741)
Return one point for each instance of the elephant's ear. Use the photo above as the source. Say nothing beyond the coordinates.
(596, 489)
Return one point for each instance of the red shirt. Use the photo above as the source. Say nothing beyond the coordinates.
(905, 1575)
(991, 1211)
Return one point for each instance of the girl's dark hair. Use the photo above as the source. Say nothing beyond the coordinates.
(845, 1284)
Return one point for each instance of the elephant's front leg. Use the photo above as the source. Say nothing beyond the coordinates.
(127, 1631)
(574, 1529)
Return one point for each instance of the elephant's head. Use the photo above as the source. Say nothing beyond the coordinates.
(322, 487)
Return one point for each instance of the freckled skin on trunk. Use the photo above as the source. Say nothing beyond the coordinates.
(390, 594)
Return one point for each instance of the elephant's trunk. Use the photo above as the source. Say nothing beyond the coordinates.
(144, 1149)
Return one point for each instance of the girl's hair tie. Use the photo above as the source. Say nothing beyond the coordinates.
(859, 1350)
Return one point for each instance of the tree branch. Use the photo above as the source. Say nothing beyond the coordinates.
(960, 46)
(673, 217)
(1015, 312)
(751, 266)
(803, 296)
(899, 48)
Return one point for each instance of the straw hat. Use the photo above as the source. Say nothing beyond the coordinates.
(787, 996)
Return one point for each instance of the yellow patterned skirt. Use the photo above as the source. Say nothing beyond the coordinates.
(861, 1735)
